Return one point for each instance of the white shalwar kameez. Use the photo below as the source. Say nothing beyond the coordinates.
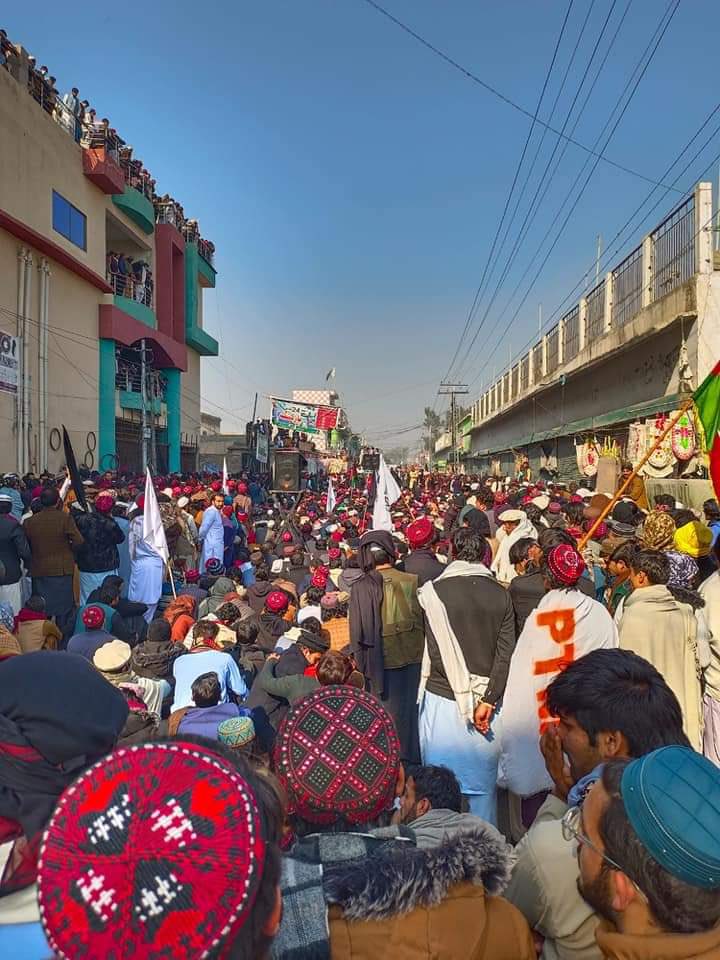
(147, 569)
(212, 535)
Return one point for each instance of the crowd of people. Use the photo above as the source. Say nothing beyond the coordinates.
(130, 277)
(486, 728)
(81, 121)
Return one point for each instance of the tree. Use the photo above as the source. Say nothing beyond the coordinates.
(432, 425)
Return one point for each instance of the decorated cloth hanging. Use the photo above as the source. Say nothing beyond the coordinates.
(637, 442)
(683, 437)
(662, 461)
(587, 458)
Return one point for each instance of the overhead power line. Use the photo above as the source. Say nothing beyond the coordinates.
(501, 96)
(545, 181)
(657, 39)
(512, 189)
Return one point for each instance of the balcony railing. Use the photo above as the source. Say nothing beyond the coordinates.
(127, 285)
(674, 249)
(167, 211)
(136, 177)
(596, 312)
(191, 233)
(627, 289)
(206, 250)
(667, 258)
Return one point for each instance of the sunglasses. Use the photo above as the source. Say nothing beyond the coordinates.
(571, 831)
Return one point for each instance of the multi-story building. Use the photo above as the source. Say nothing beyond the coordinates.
(101, 286)
(629, 350)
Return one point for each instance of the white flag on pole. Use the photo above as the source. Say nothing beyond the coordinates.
(153, 530)
(226, 488)
(331, 501)
(64, 489)
(381, 510)
(392, 490)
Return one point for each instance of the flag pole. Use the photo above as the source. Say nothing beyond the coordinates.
(621, 490)
(172, 580)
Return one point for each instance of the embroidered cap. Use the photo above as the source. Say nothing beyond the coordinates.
(337, 756)
(156, 851)
(213, 566)
(93, 617)
(565, 564)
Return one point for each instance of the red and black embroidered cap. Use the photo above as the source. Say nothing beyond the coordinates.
(154, 852)
(337, 755)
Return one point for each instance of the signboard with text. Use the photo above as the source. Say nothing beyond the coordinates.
(9, 362)
(303, 417)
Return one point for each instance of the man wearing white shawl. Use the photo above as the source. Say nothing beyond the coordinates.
(469, 638)
(515, 526)
(564, 626)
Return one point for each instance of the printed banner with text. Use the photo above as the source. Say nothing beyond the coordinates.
(304, 417)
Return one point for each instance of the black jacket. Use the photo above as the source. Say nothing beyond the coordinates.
(424, 564)
(481, 614)
(267, 707)
(101, 535)
(14, 547)
(527, 590)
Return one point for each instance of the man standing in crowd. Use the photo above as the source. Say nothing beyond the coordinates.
(53, 538)
(664, 631)
(464, 671)
(211, 533)
(9, 488)
(14, 551)
(649, 856)
(98, 557)
(422, 560)
(386, 634)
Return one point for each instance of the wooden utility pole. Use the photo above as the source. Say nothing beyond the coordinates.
(453, 390)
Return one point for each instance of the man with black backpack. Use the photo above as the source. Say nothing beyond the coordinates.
(386, 635)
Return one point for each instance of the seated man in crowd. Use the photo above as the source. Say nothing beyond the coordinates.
(347, 894)
(431, 807)
(205, 716)
(206, 656)
(649, 856)
(610, 703)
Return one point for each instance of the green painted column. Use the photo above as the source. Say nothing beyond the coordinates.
(172, 399)
(106, 404)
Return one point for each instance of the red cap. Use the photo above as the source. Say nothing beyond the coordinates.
(286, 537)
(277, 601)
(242, 488)
(93, 617)
(420, 532)
(216, 486)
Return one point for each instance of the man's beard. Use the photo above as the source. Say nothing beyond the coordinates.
(597, 894)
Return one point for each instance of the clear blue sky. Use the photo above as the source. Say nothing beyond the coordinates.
(352, 181)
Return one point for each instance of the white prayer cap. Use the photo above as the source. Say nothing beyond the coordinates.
(511, 516)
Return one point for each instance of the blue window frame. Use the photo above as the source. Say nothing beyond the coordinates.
(68, 221)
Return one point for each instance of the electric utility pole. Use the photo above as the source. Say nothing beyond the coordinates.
(453, 390)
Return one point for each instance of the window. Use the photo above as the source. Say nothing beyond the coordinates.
(69, 221)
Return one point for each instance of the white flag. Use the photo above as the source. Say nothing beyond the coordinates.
(381, 510)
(226, 488)
(331, 501)
(153, 530)
(392, 490)
(330, 374)
(66, 484)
